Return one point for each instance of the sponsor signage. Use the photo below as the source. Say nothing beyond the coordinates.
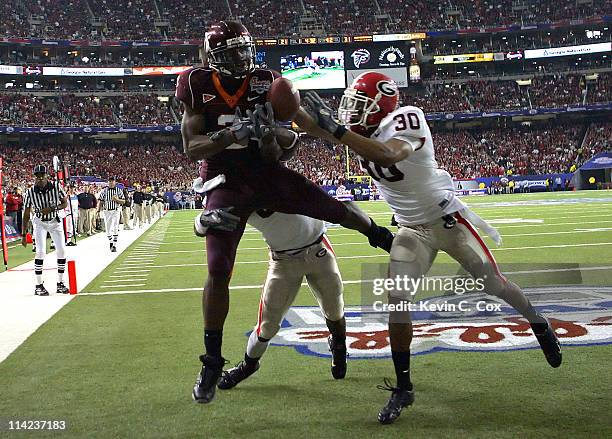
(398, 74)
(161, 70)
(580, 315)
(374, 56)
(568, 51)
(11, 70)
(86, 71)
(463, 58)
(399, 37)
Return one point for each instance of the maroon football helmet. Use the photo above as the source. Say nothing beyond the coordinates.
(368, 100)
(230, 49)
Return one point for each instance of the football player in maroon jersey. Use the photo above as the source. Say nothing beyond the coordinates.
(237, 176)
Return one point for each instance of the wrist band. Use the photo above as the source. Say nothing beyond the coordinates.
(339, 132)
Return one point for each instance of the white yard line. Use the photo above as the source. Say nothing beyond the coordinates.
(386, 255)
(22, 313)
(346, 282)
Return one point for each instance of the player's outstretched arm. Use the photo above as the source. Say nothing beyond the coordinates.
(318, 118)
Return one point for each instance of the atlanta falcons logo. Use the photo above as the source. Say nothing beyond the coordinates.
(360, 56)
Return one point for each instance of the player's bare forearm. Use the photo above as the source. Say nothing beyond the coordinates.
(196, 145)
(385, 154)
(63, 204)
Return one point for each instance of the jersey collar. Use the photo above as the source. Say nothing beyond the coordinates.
(231, 100)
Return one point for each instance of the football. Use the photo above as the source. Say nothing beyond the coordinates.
(285, 99)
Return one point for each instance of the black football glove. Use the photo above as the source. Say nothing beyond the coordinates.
(323, 114)
(217, 219)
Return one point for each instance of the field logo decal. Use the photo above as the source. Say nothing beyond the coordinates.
(581, 316)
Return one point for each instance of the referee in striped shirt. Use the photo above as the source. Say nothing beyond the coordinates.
(111, 200)
(46, 199)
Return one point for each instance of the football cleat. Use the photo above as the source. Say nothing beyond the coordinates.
(338, 365)
(206, 383)
(548, 342)
(61, 288)
(399, 399)
(41, 290)
(113, 248)
(236, 374)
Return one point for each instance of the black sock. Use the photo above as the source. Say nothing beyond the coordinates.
(338, 330)
(250, 362)
(538, 323)
(401, 362)
(212, 342)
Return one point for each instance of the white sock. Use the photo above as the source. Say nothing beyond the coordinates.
(255, 347)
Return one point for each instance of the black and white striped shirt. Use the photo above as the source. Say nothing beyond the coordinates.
(49, 197)
(107, 195)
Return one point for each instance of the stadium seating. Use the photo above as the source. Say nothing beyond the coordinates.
(163, 164)
(145, 19)
(533, 150)
(72, 110)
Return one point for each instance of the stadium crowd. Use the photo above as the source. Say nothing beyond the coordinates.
(163, 164)
(465, 154)
(147, 109)
(73, 110)
(177, 19)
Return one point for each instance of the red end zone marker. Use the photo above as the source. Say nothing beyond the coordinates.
(72, 281)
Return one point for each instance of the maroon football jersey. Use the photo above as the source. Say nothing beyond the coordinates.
(201, 89)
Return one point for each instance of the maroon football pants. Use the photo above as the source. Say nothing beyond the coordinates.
(271, 187)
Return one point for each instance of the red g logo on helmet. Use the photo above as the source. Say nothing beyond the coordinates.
(387, 88)
(369, 99)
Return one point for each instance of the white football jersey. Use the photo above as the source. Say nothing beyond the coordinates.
(282, 231)
(416, 189)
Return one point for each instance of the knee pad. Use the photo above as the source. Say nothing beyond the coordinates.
(405, 248)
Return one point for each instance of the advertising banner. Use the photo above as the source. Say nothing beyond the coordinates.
(568, 51)
(464, 58)
(399, 75)
(86, 71)
(11, 70)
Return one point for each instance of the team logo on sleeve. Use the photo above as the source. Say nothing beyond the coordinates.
(360, 57)
(387, 88)
(207, 98)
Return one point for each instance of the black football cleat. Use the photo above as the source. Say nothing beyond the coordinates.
(206, 383)
(399, 399)
(338, 365)
(548, 342)
(236, 374)
(113, 248)
(41, 290)
(61, 288)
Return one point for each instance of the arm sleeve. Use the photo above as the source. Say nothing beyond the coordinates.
(191, 85)
(27, 202)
